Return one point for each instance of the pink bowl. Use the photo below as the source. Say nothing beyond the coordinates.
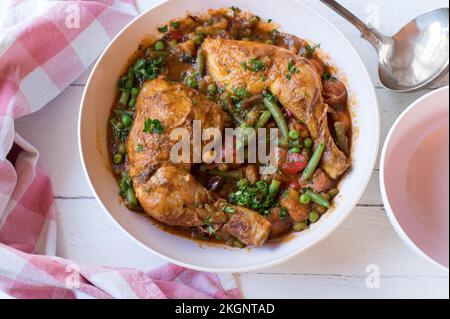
(414, 176)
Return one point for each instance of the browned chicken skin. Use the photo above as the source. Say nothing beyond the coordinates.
(298, 90)
(167, 191)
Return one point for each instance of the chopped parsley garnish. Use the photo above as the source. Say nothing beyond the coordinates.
(240, 92)
(208, 222)
(119, 133)
(148, 69)
(254, 65)
(229, 209)
(239, 95)
(139, 148)
(284, 212)
(269, 20)
(175, 24)
(292, 69)
(270, 96)
(327, 76)
(234, 9)
(163, 29)
(153, 126)
(308, 51)
(274, 34)
(124, 183)
(256, 196)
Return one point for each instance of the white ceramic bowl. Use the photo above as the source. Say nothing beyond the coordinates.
(100, 92)
(414, 176)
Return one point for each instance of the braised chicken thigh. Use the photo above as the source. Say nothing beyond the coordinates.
(291, 78)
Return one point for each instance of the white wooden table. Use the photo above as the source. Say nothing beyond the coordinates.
(335, 268)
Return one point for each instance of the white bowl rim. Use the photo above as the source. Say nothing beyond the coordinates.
(274, 262)
(389, 211)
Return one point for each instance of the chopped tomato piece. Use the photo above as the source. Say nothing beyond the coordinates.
(295, 163)
(295, 185)
(176, 35)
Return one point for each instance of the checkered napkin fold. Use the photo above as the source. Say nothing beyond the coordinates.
(44, 46)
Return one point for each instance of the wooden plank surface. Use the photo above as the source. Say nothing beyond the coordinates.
(334, 268)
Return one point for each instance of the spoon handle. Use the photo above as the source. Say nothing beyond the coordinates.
(369, 33)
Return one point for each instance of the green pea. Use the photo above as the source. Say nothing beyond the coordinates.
(134, 91)
(242, 183)
(118, 158)
(293, 134)
(295, 150)
(305, 199)
(131, 197)
(320, 209)
(119, 125)
(198, 38)
(192, 82)
(313, 216)
(127, 120)
(297, 227)
(254, 20)
(159, 45)
(122, 148)
(308, 142)
(212, 89)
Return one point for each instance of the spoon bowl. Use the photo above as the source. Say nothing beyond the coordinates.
(418, 54)
(415, 56)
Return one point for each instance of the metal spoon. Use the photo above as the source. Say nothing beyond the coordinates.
(414, 57)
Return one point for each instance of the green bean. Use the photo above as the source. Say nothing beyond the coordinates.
(124, 96)
(134, 93)
(131, 197)
(277, 114)
(318, 199)
(227, 104)
(200, 63)
(274, 187)
(341, 138)
(263, 119)
(236, 174)
(237, 243)
(295, 150)
(313, 162)
(127, 86)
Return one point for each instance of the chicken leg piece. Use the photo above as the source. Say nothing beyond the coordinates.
(291, 78)
(166, 190)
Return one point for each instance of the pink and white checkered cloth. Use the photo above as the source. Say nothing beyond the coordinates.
(44, 46)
